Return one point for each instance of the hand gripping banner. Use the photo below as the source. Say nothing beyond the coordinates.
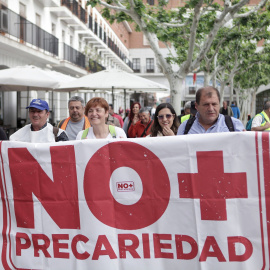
(184, 202)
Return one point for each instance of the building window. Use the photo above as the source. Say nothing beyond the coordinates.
(23, 10)
(53, 29)
(71, 41)
(63, 36)
(38, 20)
(151, 2)
(150, 65)
(136, 64)
(192, 90)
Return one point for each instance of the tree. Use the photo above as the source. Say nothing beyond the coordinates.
(188, 32)
(248, 81)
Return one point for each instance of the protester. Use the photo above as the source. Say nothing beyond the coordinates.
(261, 121)
(39, 131)
(226, 110)
(112, 113)
(193, 109)
(190, 112)
(165, 121)
(208, 119)
(186, 115)
(3, 135)
(76, 121)
(121, 111)
(97, 110)
(113, 121)
(141, 128)
(236, 111)
(133, 116)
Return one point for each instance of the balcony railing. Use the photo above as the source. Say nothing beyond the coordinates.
(97, 29)
(73, 56)
(76, 9)
(82, 14)
(145, 69)
(26, 32)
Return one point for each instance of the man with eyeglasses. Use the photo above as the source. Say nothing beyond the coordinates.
(143, 127)
(208, 119)
(39, 131)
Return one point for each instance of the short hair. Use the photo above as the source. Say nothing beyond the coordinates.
(156, 126)
(142, 110)
(187, 105)
(111, 105)
(95, 101)
(77, 98)
(209, 90)
(266, 105)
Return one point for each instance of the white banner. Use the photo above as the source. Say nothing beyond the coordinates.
(183, 202)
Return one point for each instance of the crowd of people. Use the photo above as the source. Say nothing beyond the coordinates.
(97, 120)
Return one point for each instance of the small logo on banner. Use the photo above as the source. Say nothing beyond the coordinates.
(125, 186)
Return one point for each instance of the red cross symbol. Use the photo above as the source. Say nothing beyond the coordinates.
(212, 186)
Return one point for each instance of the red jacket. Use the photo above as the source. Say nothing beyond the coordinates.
(137, 130)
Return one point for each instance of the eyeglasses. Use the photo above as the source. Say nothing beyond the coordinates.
(167, 116)
(31, 110)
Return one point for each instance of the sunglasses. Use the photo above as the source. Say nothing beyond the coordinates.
(167, 116)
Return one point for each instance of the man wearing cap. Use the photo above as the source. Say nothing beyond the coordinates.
(39, 131)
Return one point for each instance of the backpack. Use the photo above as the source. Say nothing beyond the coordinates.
(228, 121)
(111, 129)
(249, 123)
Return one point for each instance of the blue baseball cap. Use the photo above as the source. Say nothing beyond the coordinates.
(39, 104)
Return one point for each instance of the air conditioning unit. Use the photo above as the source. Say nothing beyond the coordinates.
(4, 20)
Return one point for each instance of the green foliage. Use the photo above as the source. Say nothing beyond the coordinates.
(139, 7)
(92, 3)
(234, 44)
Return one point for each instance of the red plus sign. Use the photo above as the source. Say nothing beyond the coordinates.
(212, 186)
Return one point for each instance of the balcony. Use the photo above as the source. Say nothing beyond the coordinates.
(99, 32)
(76, 9)
(137, 70)
(26, 32)
(73, 56)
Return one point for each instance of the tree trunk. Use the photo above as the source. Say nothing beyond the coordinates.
(176, 87)
(253, 103)
(206, 78)
(231, 91)
(222, 86)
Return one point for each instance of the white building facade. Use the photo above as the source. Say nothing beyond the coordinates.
(62, 35)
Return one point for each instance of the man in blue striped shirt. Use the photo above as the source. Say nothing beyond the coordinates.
(208, 119)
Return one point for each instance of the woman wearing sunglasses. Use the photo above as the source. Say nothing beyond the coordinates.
(165, 121)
